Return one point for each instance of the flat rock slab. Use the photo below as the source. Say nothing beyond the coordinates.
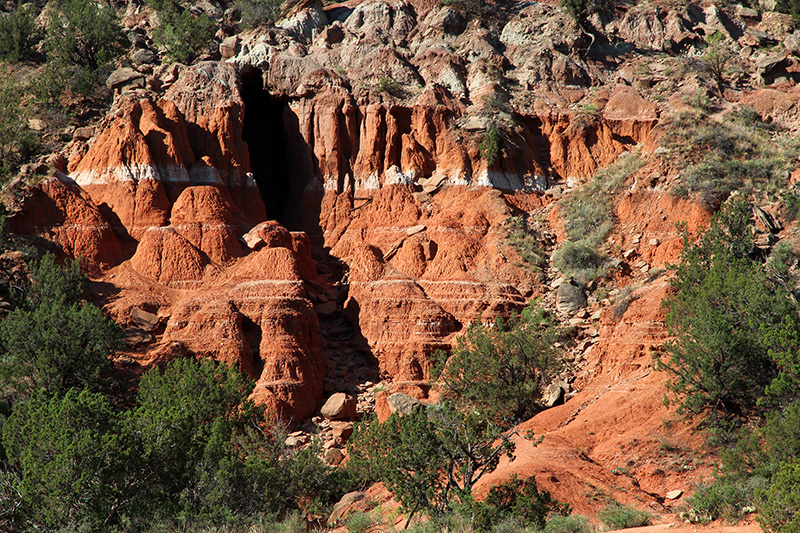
(143, 319)
(135, 336)
(122, 77)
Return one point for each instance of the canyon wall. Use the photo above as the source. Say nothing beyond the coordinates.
(330, 203)
(369, 143)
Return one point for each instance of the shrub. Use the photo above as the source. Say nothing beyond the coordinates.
(716, 58)
(19, 34)
(255, 13)
(429, 459)
(499, 371)
(83, 33)
(779, 505)
(56, 346)
(520, 501)
(580, 260)
(10, 495)
(731, 324)
(53, 283)
(587, 216)
(360, 523)
(790, 7)
(568, 524)
(782, 433)
(581, 10)
(526, 241)
(390, 86)
(617, 516)
(489, 147)
(781, 261)
(64, 449)
(181, 33)
(16, 140)
(728, 498)
(52, 342)
(51, 83)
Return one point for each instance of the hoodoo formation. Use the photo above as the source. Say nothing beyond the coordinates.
(329, 200)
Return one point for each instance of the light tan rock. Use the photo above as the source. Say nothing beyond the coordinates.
(339, 406)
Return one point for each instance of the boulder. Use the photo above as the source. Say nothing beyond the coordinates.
(229, 47)
(268, 234)
(83, 134)
(402, 403)
(747, 13)
(339, 406)
(332, 34)
(135, 336)
(769, 62)
(124, 77)
(143, 319)
(448, 20)
(761, 38)
(334, 456)
(144, 57)
(350, 503)
(554, 394)
(792, 43)
(341, 431)
(37, 124)
(673, 494)
(570, 297)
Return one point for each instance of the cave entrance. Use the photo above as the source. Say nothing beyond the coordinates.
(265, 133)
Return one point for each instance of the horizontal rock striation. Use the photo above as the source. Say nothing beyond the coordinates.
(149, 150)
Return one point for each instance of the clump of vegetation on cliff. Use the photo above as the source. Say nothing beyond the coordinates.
(719, 155)
(17, 141)
(181, 33)
(500, 371)
(526, 240)
(735, 357)
(50, 60)
(587, 212)
(19, 34)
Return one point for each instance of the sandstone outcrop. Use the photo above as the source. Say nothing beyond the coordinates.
(255, 313)
(149, 150)
(59, 210)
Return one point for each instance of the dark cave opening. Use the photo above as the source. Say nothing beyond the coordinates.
(264, 132)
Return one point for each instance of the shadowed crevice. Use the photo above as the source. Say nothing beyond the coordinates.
(265, 134)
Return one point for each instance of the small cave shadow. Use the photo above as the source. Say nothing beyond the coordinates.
(102, 291)
(264, 132)
(126, 241)
(352, 315)
(252, 335)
